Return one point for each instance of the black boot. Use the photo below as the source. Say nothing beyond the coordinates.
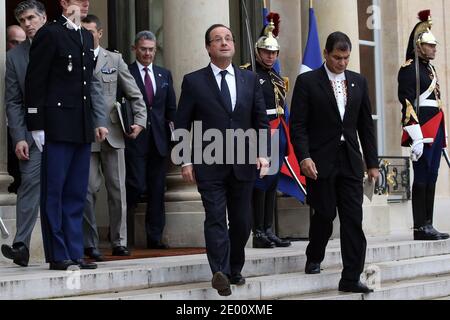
(260, 240)
(419, 211)
(278, 242)
(430, 193)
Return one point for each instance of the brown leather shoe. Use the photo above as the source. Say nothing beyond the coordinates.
(221, 283)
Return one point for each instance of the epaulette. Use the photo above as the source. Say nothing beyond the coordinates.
(245, 66)
(407, 63)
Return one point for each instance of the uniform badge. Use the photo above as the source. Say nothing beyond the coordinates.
(108, 70)
(262, 81)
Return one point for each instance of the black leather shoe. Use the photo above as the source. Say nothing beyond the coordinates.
(221, 283)
(353, 286)
(237, 279)
(312, 267)
(94, 253)
(156, 245)
(62, 265)
(260, 241)
(120, 251)
(442, 235)
(428, 233)
(18, 253)
(278, 242)
(83, 264)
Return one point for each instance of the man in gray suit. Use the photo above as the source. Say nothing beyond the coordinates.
(108, 157)
(31, 16)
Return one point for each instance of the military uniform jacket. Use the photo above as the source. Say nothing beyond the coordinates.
(61, 96)
(113, 73)
(429, 117)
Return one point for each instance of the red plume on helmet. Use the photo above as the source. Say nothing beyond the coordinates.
(424, 15)
(275, 17)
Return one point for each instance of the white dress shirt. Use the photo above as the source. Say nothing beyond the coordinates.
(339, 85)
(230, 78)
(150, 72)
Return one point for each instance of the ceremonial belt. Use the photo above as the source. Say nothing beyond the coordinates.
(273, 112)
(429, 103)
(424, 96)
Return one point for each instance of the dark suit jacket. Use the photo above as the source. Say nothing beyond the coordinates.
(201, 101)
(61, 95)
(158, 115)
(316, 125)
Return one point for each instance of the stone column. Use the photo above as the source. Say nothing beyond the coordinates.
(290, 39)
(5, 180)
(185, 24)
(338, 15)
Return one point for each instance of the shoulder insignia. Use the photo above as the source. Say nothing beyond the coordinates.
(245, 66)
(407, 63)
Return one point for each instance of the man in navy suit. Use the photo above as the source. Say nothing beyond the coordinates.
(224, 98)
(147, 156)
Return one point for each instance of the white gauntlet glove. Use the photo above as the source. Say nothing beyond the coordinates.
(39, 139)
(415, 132)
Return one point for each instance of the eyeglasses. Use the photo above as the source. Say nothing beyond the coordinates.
(219, 40)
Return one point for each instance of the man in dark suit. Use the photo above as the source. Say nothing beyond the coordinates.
(224, 98)
(64, 104)
(147, 156)
(330, 108)
(31, 16)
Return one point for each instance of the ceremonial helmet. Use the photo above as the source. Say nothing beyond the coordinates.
(268, 39)
(421, 34)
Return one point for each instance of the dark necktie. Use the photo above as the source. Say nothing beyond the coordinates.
(225, 92)
(148, 87)
(81, 36)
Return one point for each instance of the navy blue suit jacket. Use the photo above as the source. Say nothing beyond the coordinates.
(201, 101)
(158, 115)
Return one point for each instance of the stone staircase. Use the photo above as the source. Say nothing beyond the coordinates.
(397, 268)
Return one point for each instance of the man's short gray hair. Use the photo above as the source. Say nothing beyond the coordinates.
(29, 5)
(144, 35)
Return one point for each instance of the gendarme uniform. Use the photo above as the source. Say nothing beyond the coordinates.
(64, 100)
(265, 191)
(424, 127)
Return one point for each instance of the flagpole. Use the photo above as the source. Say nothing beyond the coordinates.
(311, 4)
(265, 4)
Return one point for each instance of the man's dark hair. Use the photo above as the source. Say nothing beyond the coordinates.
(339, 41)
(90, 18)
(29, 5)
(210, 29)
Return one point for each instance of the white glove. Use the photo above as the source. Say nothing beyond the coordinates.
(415, 132)
(39, 139)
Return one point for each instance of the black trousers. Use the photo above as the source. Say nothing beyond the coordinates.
(344, 191)
(225, 245)
(146, 174)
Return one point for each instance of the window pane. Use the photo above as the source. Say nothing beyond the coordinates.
(364, 32)
(367, 57)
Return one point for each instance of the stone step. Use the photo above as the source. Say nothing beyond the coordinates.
(37, 282)
(414, 279)
(421, 288)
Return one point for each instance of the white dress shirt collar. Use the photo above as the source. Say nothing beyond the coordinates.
(71, 24)
(216, 70)
(97, 51)
(141, 67)
(334, 76)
